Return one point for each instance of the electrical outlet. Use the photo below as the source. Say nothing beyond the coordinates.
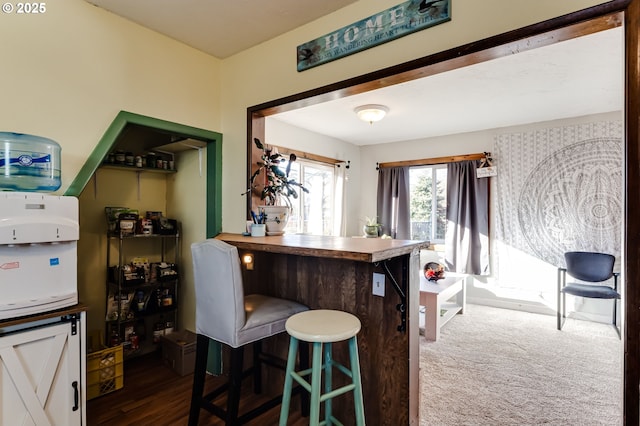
(378, 284)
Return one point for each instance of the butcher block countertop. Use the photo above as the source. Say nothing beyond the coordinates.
(75, 309)
(359, 249)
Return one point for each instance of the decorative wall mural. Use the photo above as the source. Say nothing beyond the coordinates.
(558, 189)
(572, 201)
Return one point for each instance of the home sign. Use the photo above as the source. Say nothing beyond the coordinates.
(390, 24)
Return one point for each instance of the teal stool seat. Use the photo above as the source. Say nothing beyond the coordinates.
(322, 327)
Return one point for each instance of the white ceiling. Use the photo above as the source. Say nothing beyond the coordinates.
(221, 27)
(568, 79)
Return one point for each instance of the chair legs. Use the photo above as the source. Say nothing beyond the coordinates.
(562, 314)
(199, 374)
(257, 367)
(199, 401)
(561, 297)
(562, 310)
(235, 382)
(615, 318)
(230, 414)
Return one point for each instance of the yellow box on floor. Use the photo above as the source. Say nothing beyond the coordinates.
(179, 351)
(104, 371)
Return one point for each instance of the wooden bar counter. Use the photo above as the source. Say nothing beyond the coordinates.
(337, 273)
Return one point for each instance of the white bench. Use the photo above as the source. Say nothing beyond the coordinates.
(443, 299)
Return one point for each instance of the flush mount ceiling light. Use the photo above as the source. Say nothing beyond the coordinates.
(371, 112)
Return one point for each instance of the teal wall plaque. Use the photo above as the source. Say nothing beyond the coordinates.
(390, 24)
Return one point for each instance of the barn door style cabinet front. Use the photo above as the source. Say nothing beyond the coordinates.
(42, 371)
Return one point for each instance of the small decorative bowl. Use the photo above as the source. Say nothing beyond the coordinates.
(433, 271)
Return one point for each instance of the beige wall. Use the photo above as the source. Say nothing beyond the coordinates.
(173, 195)
(268, 71)
(442, 146)
(112, 188)
(68, 72)
(186, 200)
(282, 134)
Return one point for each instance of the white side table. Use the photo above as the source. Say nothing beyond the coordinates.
(443, 299)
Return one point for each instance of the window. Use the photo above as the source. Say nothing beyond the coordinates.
(428, 198)
(313, 212)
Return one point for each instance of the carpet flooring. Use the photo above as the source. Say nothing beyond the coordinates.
(495, 366)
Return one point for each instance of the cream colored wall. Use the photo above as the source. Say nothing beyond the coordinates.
(112, 188)
(68, 72)
(186, 200)
(175, 195)
(458, 144)
(268, 71)
(282, 134)
(482, 290)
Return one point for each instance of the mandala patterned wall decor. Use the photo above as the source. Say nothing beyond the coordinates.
(560, 190)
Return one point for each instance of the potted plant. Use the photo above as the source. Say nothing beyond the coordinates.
(277, 187)
(371, 228)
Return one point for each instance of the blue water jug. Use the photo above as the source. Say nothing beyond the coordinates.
(28, 163)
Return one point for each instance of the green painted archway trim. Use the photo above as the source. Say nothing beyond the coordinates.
(214, 160)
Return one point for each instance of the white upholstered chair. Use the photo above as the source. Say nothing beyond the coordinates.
(226, 315)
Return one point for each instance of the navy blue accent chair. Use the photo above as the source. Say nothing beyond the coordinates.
(594, 269)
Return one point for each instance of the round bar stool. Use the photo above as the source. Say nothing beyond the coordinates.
(323, 327)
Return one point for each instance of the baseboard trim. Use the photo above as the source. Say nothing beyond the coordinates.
(537, 309)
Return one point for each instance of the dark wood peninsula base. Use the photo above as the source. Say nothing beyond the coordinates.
(337, 273)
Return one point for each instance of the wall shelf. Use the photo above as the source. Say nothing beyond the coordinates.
(135, 169)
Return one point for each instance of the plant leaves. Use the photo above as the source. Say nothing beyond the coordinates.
(255, 174)
(277, 171)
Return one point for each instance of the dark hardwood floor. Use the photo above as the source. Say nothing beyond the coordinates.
(153, 394)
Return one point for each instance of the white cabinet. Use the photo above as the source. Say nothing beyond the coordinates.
(42, 371)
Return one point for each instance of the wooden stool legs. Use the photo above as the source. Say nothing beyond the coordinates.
(199, 373)
(354, 360)
(321, 351)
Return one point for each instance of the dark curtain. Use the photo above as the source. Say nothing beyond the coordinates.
(467, 235)
(393, 202)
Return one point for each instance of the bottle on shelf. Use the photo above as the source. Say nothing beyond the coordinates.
(149, 310)
(166, 300)
(158, 331)
(114, 340)
(168, 327)
(135, 341)
(140, 301)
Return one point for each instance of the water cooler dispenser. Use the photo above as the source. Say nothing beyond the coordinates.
(38, 253)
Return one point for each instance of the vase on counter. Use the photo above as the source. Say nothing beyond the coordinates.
(277, 218)
(371, 231)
